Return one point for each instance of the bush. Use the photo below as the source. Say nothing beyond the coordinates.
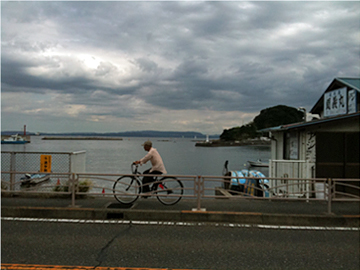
(83, 186)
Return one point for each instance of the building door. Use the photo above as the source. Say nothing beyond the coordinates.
(337, 156)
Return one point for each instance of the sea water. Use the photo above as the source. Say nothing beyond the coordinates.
(180, 155)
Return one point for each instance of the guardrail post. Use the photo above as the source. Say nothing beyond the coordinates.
(307, 180)
(198, 199)
(73, 178)
(199, 187)
(329, 193)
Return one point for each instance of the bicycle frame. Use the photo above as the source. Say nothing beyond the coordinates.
(165, 192)
(154, 184)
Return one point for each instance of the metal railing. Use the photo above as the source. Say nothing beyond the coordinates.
(199, 188)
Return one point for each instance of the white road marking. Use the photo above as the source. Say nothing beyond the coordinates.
(169, 223)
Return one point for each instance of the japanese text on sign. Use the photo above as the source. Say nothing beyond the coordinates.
(45, 163)
(335, 102)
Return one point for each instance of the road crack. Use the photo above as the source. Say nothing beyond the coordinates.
(103, 252)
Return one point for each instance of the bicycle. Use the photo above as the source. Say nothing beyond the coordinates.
(127, 189)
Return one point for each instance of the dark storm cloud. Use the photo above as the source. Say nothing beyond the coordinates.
(124, 59)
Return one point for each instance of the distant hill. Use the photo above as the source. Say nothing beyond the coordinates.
(13, 132)
(144, 133)
(276, 116)
(152, 133)
(269, 117)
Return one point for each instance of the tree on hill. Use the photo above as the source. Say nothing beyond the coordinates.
(239, 133)
(276, 116)
(269, 117)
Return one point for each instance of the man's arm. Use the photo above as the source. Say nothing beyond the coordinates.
(144, 159)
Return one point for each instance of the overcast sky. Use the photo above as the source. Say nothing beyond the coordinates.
(170, 66)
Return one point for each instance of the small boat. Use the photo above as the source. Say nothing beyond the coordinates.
(258, 163)
(245, 184)
(14, 139)
(34, 179)
(245, 180)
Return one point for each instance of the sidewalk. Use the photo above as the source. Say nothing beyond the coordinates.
(296, 213)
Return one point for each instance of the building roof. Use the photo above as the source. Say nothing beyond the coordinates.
(310, 123)
(350, 82)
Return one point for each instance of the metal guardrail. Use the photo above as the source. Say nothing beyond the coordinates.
(198, 188)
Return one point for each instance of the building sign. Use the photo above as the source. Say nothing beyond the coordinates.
(335, 102)
(45, 163)
(352, 101)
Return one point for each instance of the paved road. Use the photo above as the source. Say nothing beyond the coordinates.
(192, 247)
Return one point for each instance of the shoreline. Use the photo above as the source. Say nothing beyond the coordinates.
(83, 138)
(218, 143)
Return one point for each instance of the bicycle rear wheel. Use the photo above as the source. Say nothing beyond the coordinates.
(126, 189)
(169, 190)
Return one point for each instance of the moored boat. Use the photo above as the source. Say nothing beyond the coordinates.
(15, 139)
(258, 163)
(246, 182)
(34, 179)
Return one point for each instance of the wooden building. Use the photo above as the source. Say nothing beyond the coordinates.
(326, 143)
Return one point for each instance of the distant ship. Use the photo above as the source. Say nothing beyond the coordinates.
(14, 139)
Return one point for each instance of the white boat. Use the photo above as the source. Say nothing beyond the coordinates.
(14, 139)
(258, 163)
(34, 179)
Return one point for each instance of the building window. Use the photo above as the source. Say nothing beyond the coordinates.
(291, 146)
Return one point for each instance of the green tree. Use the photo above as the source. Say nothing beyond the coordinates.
(239, 133)
(269, 117)
(276, 116)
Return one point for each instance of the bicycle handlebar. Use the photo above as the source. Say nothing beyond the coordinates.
(134, 170)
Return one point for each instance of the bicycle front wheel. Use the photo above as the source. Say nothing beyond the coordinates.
(126, 189)
(169, 190)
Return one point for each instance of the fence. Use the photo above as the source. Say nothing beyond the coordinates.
(35, 162)
(199, 188)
